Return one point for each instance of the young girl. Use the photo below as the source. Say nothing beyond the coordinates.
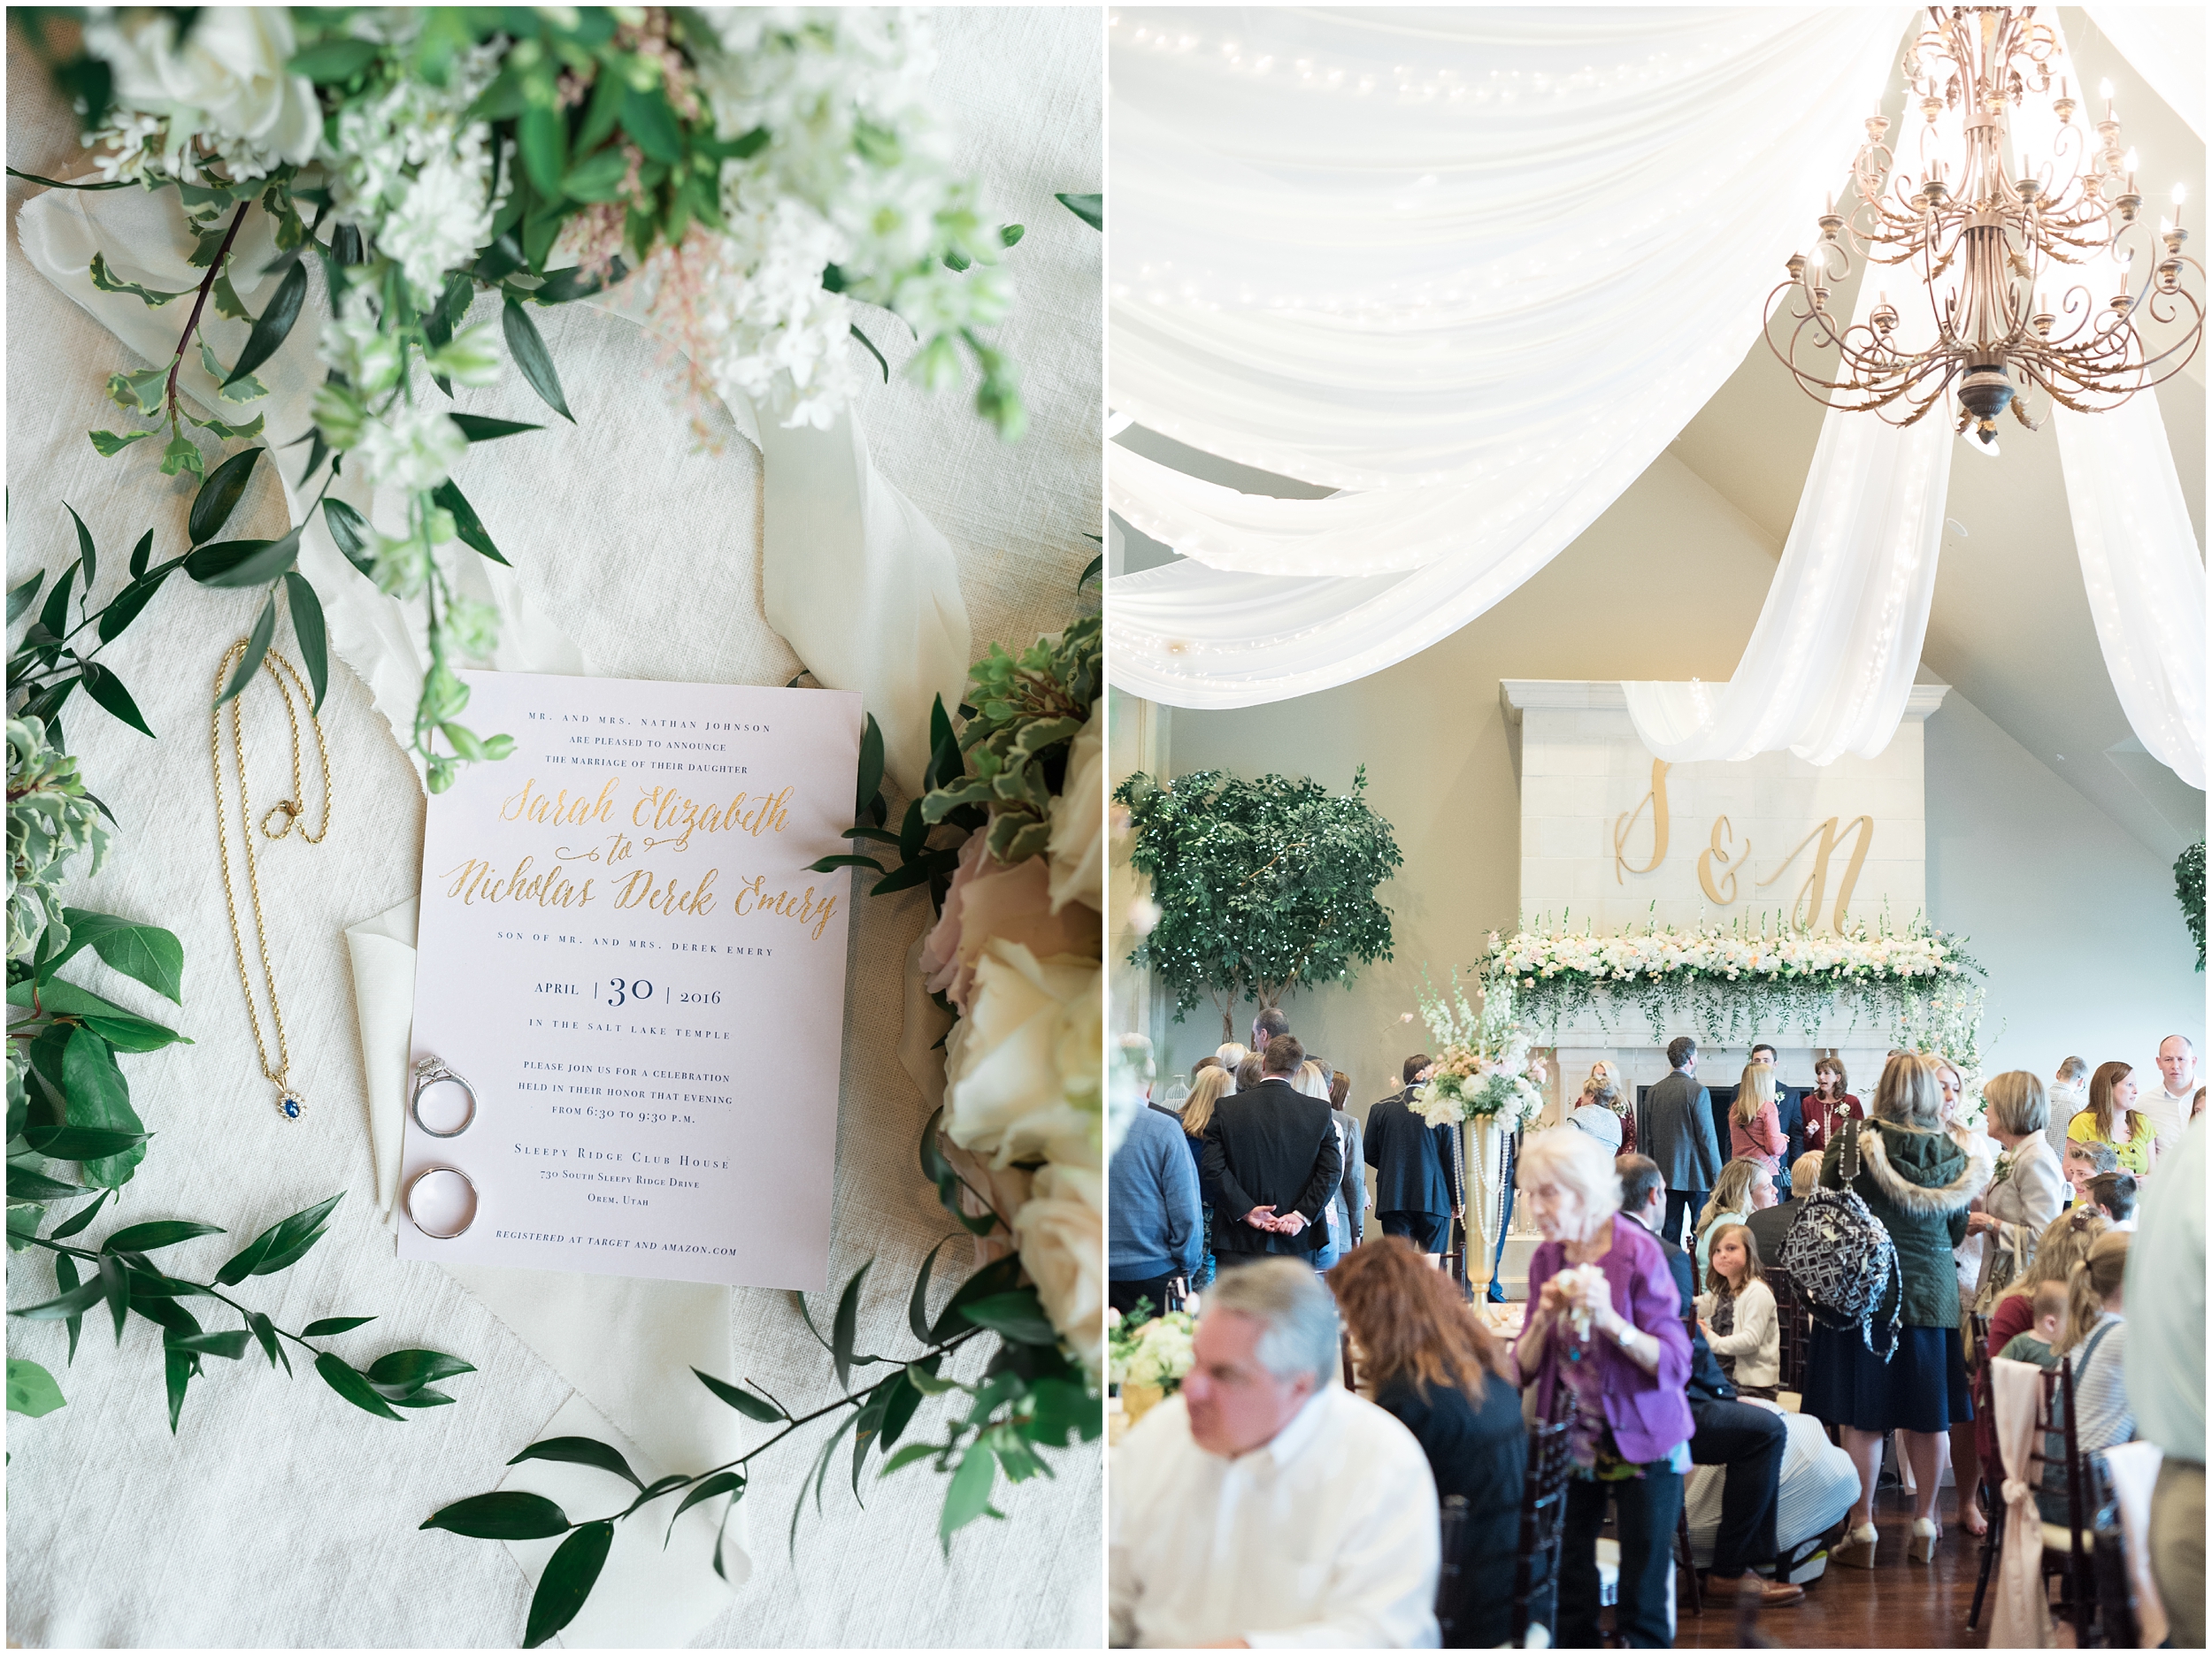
(1737, 1313)
(1745, 1187)
(1755, 1125)
(1829, 1104)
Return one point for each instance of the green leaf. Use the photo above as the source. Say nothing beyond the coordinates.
(257, 647)
(1009, 235)
(27, 1184)
(1091, 208)
(31, 1388)
(828, 864)
(116, 1287)
(275, 324)
(98, 1097)
(146, 954)
(329, 1325)
(845, 1327)
(466, 523)
(75, 1302)
(599, 120)
(227, 299)
(160, 1232)
(244, 563)
(80, 1143)
(230, 387)
(280, 1246)
(331, 60)
(872, 351)
(1018, 1315)
(230, 1346)
(480, 428)
(869, 1423)
(999, 1276)
(125, 1030)
(581, 1450)
(909, 1455)
(112, 443)
(265, 1331)
(20, 597)
(870, 764)
(906, 1395)
(745, 1402)
(124, 606)
(720, 1483)
(219, 494)
(307, 626)
(352, 531)
(918, 1307)
(427, 1398)
(106, 281)
(180, 455)
(54, 615)
(73, 1226)
(176, 1368)
(598, 178)
(968, 1496)
(510, 1514)
(352, 1387)
(530, 355)
(404, 1373)
(1090, 571)
(542, 133)
(108, 692)
(141, 393)
(569, 1576)
(647, 118)
(87, 555)
(226, 431)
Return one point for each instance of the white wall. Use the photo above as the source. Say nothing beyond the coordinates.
(2074, 918)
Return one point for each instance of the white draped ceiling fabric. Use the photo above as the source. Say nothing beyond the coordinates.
(1473, 269)
(1470, 271)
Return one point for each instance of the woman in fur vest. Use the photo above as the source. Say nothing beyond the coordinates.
(1917, 1180)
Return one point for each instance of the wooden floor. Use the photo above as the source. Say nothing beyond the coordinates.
(1895, 1604)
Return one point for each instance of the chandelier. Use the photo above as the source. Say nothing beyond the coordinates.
(2021, 236)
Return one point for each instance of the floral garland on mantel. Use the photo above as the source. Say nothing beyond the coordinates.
(1726, 982)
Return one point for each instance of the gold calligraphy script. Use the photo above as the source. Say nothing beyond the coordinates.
(1721, 861)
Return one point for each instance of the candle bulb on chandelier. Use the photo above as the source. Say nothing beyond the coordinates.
(2104, 91)
(2128, 162)
(2180, 195)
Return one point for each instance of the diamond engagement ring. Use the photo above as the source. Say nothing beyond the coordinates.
(429, 1072)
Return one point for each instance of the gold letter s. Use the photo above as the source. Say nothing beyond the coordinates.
(1657, 799)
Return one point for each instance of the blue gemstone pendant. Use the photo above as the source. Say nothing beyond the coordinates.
(289, 1104)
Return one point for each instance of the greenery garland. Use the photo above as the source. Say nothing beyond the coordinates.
(2189, 889)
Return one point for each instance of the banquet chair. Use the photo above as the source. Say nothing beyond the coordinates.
(1795, 1331)
(1993, 1494)
(2117, 1624)
(1451, 1589)
(1683, 1559)
(2065, 1550)
(1543, 1518)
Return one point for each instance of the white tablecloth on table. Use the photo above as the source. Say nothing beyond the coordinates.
(279, 1515)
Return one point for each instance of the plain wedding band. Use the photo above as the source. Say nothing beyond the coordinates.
(428, 1073)
(407, 1200)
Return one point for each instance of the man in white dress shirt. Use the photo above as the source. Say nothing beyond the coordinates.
(1264, 1507)
(2165, 1105)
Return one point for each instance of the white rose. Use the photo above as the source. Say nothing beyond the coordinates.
(1021, 1069)
(1078, 845)
(1063, 1238)
(227, 81)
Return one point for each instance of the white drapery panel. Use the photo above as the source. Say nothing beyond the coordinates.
(2144, 573)
(2165, 45)
(1475, 269)
(1832, 660)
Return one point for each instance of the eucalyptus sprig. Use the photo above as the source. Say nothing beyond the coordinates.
(1030, 1396)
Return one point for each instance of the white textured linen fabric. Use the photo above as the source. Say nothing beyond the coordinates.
(2021, 1616)
(2143, 571)
(2165, 45)
(1472, 269)
(278, 1515)
(1830, 664)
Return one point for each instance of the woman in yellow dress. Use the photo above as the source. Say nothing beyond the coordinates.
(2110, 1118)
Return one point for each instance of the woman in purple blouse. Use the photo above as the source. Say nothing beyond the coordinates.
(1614, 1335)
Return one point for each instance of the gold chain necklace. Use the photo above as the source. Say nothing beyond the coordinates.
(289, 1103)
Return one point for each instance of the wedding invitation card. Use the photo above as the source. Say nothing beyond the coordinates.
(622, 955)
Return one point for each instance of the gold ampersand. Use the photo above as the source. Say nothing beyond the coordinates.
(1718, 852)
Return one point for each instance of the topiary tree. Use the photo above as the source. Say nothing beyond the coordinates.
(1263, 886)
(2189, 886)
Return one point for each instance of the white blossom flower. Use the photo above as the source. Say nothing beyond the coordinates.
(224, 91)
(411, 449)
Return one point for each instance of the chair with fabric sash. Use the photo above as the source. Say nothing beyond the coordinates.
(1543, 1518)
(1992, 1492)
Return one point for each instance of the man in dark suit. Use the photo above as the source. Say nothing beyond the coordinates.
(1416, 1169)
(1273, 1154)
(1749, 1441)
(1678, 1122)
(1789, 1103)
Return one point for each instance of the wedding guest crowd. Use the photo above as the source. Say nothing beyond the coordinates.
(1267, 1504)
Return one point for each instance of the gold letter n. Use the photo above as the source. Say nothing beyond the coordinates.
(1805, 912)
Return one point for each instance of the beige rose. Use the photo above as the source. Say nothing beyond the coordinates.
(1006, 1188)
(988, 899)
(1077, 848)
(1062, 1239)
(1021, 1069)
